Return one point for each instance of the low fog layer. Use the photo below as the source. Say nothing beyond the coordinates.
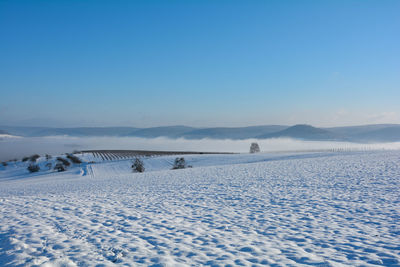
(11, 148)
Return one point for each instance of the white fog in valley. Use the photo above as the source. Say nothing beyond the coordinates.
(17, 147)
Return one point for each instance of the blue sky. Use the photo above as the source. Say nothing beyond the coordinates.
(199, 63)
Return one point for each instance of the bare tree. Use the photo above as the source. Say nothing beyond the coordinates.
(254, 148)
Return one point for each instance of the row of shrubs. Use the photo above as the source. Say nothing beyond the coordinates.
(179, 163)
(32, 158)
(35, 157)
(5, 163)
(62, 163)
(60, 166)
(74, 159)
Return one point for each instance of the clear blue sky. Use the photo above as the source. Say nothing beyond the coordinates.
(199, 63)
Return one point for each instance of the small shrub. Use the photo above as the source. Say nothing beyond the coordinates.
(60, 167)
(4, 164)
(33, 168)
(179, 163)
(138, 165)
(74, 159)
(254, 148)
(25, 159)
(64, 161)
(33, 158)
(48, 156)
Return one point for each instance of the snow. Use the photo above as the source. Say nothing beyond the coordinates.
(293, 209)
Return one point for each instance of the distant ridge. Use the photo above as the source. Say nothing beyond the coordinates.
(78, 131)
(387, 134)
(364, 133)
(303, 131)
(165, 131)
(354, 130)
(233, 132)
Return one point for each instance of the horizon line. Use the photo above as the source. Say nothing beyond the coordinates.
(201, 127)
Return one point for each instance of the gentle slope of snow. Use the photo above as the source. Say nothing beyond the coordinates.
(326, 209)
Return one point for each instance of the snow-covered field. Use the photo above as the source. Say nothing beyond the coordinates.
(325, 209)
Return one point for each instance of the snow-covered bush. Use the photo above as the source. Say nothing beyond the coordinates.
(74, 159)
(63, 161)
(138, 165)
(48, 156)
(179, 163)
(33, 158)
(33, 168)
(254, 148)
(59, 167)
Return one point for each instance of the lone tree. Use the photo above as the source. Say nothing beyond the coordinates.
(138, 165)
(254, 148)
(179, 163)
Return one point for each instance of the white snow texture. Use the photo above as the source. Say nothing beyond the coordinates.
(323, 209)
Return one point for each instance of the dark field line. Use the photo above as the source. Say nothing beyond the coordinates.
(124, 153)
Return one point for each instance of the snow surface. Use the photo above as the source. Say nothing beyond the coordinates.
(324, 209)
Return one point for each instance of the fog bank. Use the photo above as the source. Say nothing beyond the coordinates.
(11, 148)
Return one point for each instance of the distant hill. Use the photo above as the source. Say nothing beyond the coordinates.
(304, 132)
(86, 131)
(387, 134)
(3, 132)
(364, 133)
(166, 131)
(79, 131)
(22, 131)
(354, 130)
(233, 133)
